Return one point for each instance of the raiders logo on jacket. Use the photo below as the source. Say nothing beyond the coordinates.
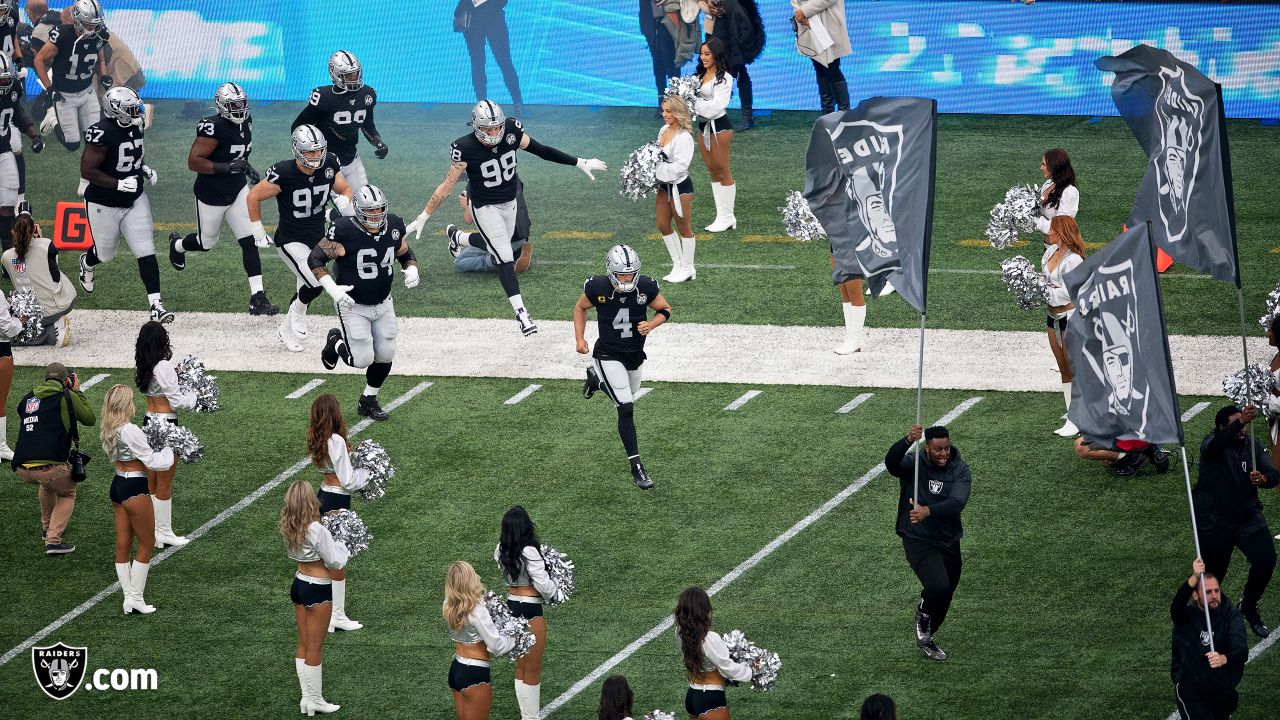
(491, 171)
(235, 142)
(302, 199)
(368, 265)
(617, 315)
(123, 159)
(340, 115)
(77, 58)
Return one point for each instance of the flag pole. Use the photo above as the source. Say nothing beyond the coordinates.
(1195, 533)
(919, 406)
(1248, 393)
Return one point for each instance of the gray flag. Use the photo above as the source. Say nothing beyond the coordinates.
(869, 181)
(1175, 112)
(1123, 387)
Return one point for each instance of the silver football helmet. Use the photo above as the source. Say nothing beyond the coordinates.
(344, 70)
(122, 104)
(7, 76)
(487, 115)
(622, 260)
(231, 102)
(87, 17)
(6, 6)
(370, 205)
(308, 139)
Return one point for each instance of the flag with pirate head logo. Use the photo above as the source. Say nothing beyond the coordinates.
(869, 181)
(1123, 387)
(1175, 112)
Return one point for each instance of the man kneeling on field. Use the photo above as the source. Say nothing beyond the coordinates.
(1126, 457)
(468, 258)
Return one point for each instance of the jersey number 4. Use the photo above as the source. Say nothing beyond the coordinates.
(499, 170)
(622, 323)
(369, 270)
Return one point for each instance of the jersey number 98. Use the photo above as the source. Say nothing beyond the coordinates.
(499, 170)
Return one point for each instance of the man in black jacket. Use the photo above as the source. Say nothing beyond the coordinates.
(1228, 511)
(1204, 682)
(929, 524)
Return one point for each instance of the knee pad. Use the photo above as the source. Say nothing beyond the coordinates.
(626, 411)
(361, 356)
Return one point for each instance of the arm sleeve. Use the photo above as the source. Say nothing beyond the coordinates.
(367, 127)
(896, 457)
(536, 568)
(954, 504)
(348, 477)
(717, 652)
(550, 154)
(1069, 203)
(483, 623)
(1179, 604)
(10, 326)
(137, 443)
(318, 257)
(721, 90)
(54, 272)
(166, 378)
(21, 120)
(334, 554)
(677, 163)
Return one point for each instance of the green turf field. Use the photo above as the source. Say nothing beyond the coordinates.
(1063, 611)
(575, 221)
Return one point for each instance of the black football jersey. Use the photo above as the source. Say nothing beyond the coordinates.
(302, 199)
(123, 159)
(77, 58)
(235, 142)
(617, 314)
(369, 263)
(491, 171)
(11, 111)
(9, 30)
(340, 116)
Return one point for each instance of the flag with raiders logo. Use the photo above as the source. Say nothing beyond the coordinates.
(1176, 114)
(1123, 387)
(869, 176)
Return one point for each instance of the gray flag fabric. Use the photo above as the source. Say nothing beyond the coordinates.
(869, 176)
(1175, 112)
(1123, 385)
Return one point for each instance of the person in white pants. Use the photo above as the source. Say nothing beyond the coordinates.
(67, 65)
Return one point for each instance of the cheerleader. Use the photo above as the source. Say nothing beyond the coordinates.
(717, 133)
(330, 452)
(127, 446)
(616, 699)
(1058, 195)
(157, 379)
(1272, 404)
(675, 188)
(519, 557)
(1064, 251)
(706, 658)
(318, 556)
(10, 327)
(474, 636)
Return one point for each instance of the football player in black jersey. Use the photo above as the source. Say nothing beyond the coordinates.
(11, 47)
(622, 299)
(66, 66)
(488, 158)
(114, 199)
(302, 188)
(362, 248)
(12, 117)
(342, 111)
(220, 157)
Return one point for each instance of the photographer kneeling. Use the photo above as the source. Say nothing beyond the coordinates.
(49, 417)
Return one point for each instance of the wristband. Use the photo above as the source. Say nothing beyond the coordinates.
(664, 312)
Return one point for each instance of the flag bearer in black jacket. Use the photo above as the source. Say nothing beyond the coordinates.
(1204, 682)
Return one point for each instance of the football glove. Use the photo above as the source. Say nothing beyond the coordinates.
(343, 204)
(37, 144)
(591, 165)
(415, 227)
(128, 185)
(260, 236)
(380, 150)
(150, 174)
(238, 167)
(411, 277)
(338, 292)
(106, 81)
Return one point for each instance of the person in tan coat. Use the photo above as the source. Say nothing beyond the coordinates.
(823, 37)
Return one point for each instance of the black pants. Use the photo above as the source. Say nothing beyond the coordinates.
(827, 73)
(1194, 704)
(662, 48)
(938, 568)
(491, 26)
(1254, 540)
(744, 85)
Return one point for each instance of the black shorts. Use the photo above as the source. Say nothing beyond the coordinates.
(1061, 323)
(526, 610)
(684, 187)
(6, 349)
(308, 593)
(154, 419)
(462, 676)
(700, 702)
(718, 125)
(332, 500)
(123, 488)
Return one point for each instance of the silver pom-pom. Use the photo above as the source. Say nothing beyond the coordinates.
(370, 456)
(164, 434)
(510, 625)
(1273, 308)
(765, 665)
(560, 570)
(685, 87)
(1024, 281)
(1012, 217)
(1253, 385)
(347, 528)
(659, 715)
(192, 376)
(637, 178)
(23, 304)
(798, 219)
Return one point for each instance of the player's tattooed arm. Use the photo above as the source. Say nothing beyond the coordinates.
(406, 255)
(322, 253)
(445, 189)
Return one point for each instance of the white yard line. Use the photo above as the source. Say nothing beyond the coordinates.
(849, 406)
(217, 520)
(93, 381)
(746, 398)
(523, 394)
(1193, 411)
(737, 572)
(641, 393)
(311, 385)
(1254, 652)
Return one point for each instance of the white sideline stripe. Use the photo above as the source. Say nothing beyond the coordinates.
(1254, 652)
(523, 394)
(713, 266)
(737, 572)
(217, 520)
(1193, 411)
(641, 393)
(311, 385)
(844, 409)
(746, 397)
(93, 381)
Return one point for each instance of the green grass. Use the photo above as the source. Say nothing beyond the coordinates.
(1062, 611)
(979, 158)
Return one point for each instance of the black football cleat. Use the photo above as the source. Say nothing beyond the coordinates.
(1254, 618)
(525, 322)
(1160, 458)
(932, 651)
(160, 314)
(177, 258)
(260, 305)
(329, 354)
(923, 633)
(592, 384)
(370, 408)
(1130, 464)
(640, 477)
(455, 242)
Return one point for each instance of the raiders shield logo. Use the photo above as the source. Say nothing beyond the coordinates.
(368, 100)
(869, 155)
(32, 406)
(642, 299)
(328, 174)
(1180, 115)
(59, 669)
(935, 487)
(395, 235)
(1204, 638)
(511, 138)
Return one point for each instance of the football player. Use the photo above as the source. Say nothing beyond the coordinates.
(73, 54)
(114, 200)
(220, 157)
(622, 298)
(11, 47)
(487, 156)
(362, 248)
(12, 117)
(302, 188)
(343, 110)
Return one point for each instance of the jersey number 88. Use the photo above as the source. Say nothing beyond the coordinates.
(499, 170)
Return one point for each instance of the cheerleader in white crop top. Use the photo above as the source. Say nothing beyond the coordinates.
(157, 379)
(1059, 194)
(706, 658)
(1064, 251)
(675, 189)
(318, 556)
(717, 132)
(10, 327)
(519, 557)
(474, 636)
(1272, 403)
(330, 453)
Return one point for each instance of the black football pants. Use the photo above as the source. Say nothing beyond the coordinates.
(938, 568)
(1255, 543)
